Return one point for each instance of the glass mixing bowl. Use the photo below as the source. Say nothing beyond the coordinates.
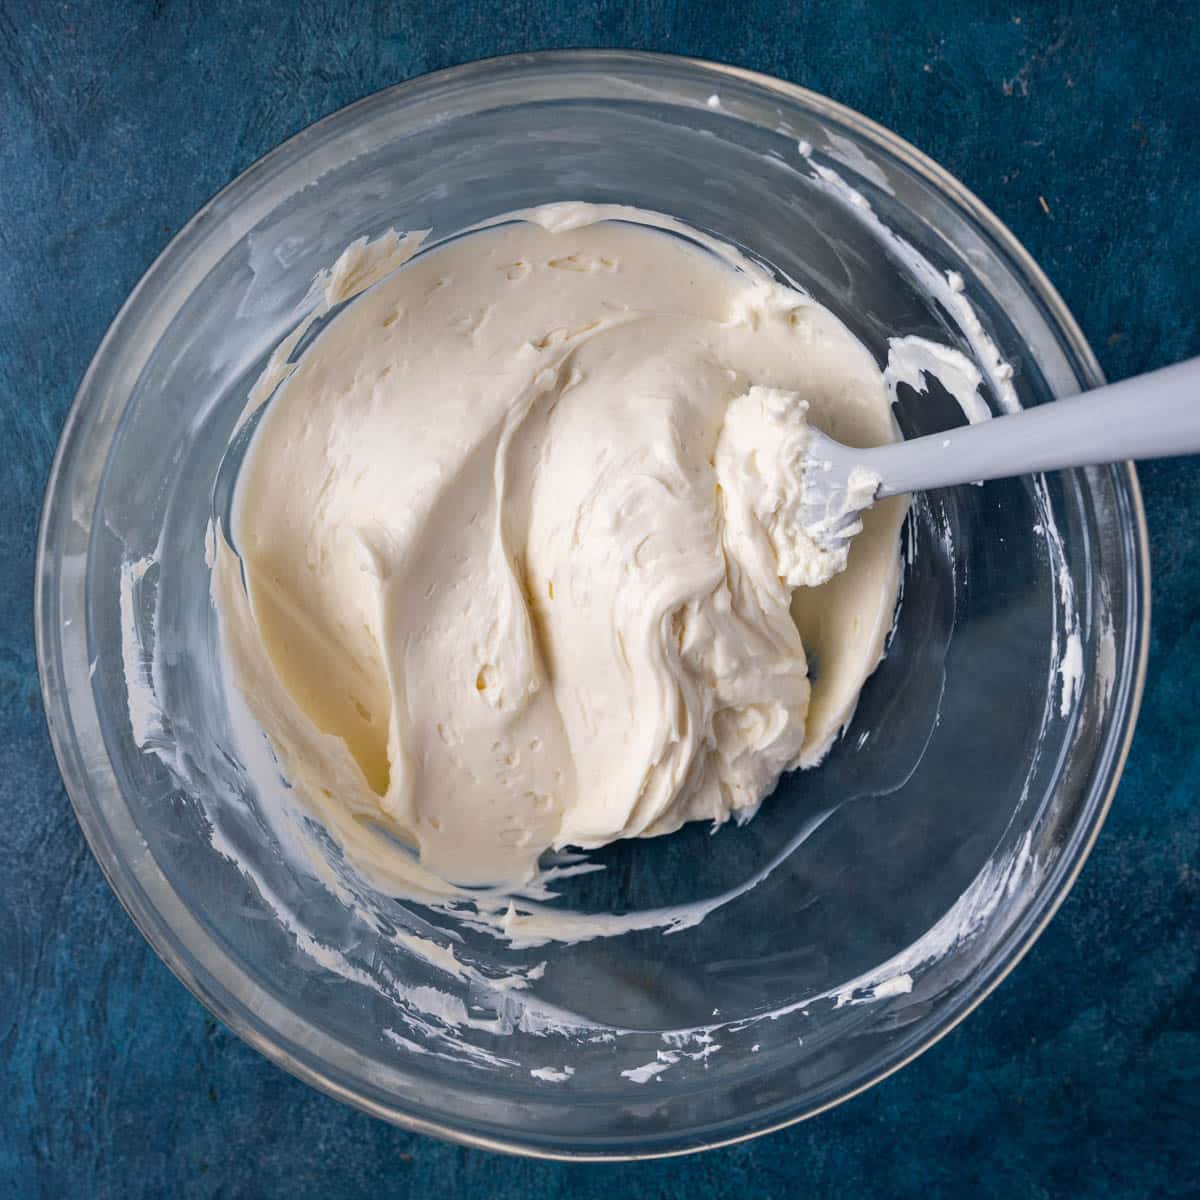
(894, 886)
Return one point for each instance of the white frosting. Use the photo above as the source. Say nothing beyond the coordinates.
(518, 536)
(762, 442)
(912, 359)
(145, 714)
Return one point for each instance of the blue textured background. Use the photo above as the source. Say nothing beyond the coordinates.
(1079, 124)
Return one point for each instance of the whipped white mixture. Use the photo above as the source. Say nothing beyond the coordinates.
(520, 560)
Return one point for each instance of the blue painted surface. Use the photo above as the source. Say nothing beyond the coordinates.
(1081, 1076)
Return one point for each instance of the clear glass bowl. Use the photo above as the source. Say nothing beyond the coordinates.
(899, 882)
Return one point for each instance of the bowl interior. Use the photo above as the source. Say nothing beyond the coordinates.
(891, 887)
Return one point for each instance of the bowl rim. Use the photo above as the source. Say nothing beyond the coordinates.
(206, 988)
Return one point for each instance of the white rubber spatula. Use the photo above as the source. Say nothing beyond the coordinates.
(1150, 416)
